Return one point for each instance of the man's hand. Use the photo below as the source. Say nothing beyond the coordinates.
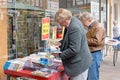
(57, 44)
(56, 54)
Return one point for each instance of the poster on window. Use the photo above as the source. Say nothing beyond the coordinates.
(79, 2)
(54, 30)
(10, 0)
(95, 10)
(88, 1)
(33, 2)
(37, 2)
(45, 28)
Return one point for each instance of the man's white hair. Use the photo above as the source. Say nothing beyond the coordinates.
(62, 15)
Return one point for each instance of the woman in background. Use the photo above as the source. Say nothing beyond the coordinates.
(95, 38)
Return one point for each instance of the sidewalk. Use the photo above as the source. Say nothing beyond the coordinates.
(108, 71)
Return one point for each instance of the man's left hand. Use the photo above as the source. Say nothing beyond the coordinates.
(56, 54)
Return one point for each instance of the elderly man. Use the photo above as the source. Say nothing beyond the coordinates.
(75, 54)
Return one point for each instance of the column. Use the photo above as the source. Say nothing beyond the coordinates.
(3, 39)
(116, 11)
(111, 18)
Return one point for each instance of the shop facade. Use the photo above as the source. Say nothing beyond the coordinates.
(105, 11)
(20, 22)
(3, 41)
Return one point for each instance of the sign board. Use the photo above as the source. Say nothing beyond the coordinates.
(54, 32)
(53, 5)
(45, 28)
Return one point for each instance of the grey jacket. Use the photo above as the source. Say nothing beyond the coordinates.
(75, 54)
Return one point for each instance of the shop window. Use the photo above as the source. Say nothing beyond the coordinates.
(41, 3)
(10, 0)
(37, 2)
(24, 30)
(33, 2)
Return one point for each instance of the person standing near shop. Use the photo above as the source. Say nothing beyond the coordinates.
(96, 41)
(116, 29)
(116, 32)
(75, 56)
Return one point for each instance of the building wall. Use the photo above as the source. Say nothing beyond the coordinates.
(113, 15)
(52, 4)
(62, 3)
(119, 14)
(3, 42)
(116, 11)
(66, 3)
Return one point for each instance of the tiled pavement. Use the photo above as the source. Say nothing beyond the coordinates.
(108, 71)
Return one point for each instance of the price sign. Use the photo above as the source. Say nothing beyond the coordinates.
(45, 28)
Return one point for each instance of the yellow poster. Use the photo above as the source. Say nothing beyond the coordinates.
(45, 28)
(54, 32)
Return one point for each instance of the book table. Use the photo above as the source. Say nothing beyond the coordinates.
(26, 73)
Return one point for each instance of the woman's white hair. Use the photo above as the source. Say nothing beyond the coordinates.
(85, 16)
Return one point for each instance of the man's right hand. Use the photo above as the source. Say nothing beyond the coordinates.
(57, 44)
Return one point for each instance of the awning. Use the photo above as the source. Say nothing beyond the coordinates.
(77, 10)
(20, 5)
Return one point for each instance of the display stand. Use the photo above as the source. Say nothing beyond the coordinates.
(24, 32)
(113, 43)
(26, 73)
